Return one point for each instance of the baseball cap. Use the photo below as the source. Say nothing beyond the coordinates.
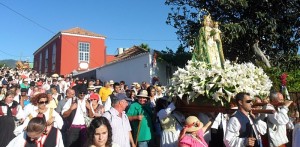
(122, 96)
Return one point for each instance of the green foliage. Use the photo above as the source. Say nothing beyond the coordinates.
(1, 65)
(293, 79)
(275, 24)
(145, 46)
(178, 58)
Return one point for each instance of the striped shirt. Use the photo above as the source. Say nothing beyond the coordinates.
(120, 127)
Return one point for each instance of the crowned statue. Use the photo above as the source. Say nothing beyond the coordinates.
(208, 45)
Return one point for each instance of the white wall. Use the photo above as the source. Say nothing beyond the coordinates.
(162, 68)
(135, 69)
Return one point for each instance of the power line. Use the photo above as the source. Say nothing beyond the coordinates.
(34, 22)
(45, 28)
(139, 39)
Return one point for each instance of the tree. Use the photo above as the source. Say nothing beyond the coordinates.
(144, 46)
(273, 25)
(2, 65)
(178, 58)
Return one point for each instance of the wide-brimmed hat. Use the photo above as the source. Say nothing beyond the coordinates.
(55, 75)
(111, 82)
(91, 87)
(191, 124)
(142, 93)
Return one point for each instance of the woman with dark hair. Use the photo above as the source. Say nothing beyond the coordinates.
(99, 133)
(152, 95)
(10, 111)
(52, 118)
(36, 135)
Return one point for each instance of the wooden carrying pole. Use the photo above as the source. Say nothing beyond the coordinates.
(138, 133)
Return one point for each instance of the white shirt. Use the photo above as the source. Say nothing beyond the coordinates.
(80, 111)
(277, 125)
(107, 104)
(58, 121)
(120, 127)
(20, 140)
(231, 138)
(296, 135)
(28, 109)
(20, 112)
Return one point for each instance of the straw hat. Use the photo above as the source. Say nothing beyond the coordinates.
(55, 75)
(191, 123)
(143, 93)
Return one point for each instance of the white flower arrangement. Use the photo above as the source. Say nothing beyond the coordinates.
(218, 84)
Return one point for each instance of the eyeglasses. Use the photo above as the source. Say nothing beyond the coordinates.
(43, 102)
(248, 101)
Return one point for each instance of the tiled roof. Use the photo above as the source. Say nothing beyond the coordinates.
(128, 53)
(80, 31)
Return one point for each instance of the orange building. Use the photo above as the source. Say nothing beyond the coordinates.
(70, 50)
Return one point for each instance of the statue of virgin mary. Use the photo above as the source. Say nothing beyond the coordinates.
(208, 45)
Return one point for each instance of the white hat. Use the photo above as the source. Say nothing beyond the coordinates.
(143, 93)
(55, 76)
(111, 82)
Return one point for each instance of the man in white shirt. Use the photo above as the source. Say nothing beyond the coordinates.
(242, 129)
(119, 121)
(277, 122)
(74, 112)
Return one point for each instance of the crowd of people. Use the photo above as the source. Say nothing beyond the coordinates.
(56, 111)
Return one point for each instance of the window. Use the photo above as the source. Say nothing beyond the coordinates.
(40, 63)
(46, 60)
(53, 57)
(84, 52)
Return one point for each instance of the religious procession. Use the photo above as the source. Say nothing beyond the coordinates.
(211, 102)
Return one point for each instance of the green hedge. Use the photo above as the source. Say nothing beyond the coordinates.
(293, 79)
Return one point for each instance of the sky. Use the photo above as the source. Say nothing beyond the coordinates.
(27, 25)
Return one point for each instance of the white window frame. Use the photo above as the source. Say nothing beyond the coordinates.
(84, 52)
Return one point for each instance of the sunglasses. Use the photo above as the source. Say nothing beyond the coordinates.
(248, 101)
(43, 102)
